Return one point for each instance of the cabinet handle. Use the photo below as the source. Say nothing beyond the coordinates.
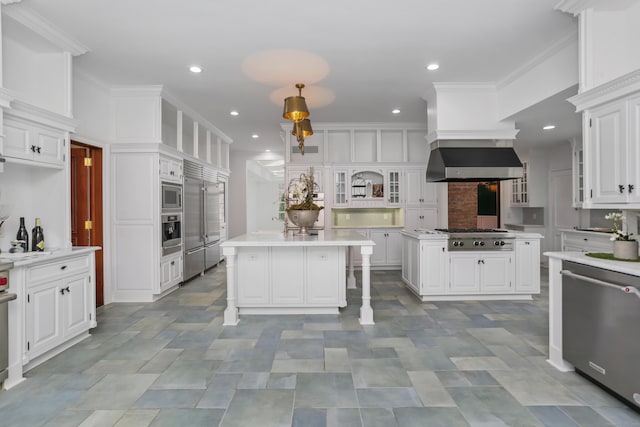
(39, 148)
(527, 243)
(630, 188)
(482, 261)
(621, 188)
(173, 263)
(62, 291)
(64, 267)
(33, 148)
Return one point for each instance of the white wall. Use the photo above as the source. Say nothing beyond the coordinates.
(91, 107)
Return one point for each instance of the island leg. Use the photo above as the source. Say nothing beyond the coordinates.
(555, 317)
(351, 279)
(231, 312)
(366, 312)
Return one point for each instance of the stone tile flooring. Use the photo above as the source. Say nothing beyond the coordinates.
(172, 363)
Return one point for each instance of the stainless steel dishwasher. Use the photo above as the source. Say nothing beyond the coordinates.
(5, 297)
(600, 327)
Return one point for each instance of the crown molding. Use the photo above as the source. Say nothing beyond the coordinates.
(321, 126)
(574, 6)
(9, 1)
(44, 29)
(41, 116)
(617, 88)
(6, 97)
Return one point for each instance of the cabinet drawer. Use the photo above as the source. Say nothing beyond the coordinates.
(58, 269)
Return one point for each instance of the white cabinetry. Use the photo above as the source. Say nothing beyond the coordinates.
(612, 152)
(35, 143)
(341, 189)
(527, 272)
(578, 173)
(531, 189)
(170, 169)
(488, 272)
(421, 200)
(367, 188)
(394, 187)
(388, 248)
(586, 241)
(421, 218)
(170, 271)
(424, 266)
(60, 303)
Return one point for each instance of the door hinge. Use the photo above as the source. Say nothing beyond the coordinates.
(590, 122)
(591, 193)
(88, 162)
(28, 298)
(88, 225)
(28, 345)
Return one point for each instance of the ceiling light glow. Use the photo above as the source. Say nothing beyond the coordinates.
(432, 66)
(255, 136)
(268, 151)
(195, 69)
(549, 127)
(234, 113)
(395, 111)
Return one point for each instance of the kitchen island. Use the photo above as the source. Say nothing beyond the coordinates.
(278, 273)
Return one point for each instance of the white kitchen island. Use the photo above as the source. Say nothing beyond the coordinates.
(278, 273)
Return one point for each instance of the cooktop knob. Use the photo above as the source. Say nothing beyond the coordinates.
(502, 243)
(455, 243)
(481, 243)
(496, 243)
(476, 243)
(461, 243)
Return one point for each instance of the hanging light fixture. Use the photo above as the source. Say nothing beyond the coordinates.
(301, 130)
(295, 107)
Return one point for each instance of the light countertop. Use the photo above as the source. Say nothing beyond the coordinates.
(31, 258)
(586, 232)
(277, 238)
(425, 234)
(632, 268)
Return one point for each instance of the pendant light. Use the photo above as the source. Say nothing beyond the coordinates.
(295, 107)
(301, 130)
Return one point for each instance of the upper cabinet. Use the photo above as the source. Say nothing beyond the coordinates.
(531, 189)
(578, 173)
(359, 143)
(149, 114)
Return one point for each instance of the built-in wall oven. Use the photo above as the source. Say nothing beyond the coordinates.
(171, 233)
(171, 196)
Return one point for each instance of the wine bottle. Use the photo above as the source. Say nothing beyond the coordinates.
(23, 235)
(37, 237)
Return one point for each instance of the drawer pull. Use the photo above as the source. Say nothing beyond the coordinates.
(67, 289)
(62, 291)
(63, 267)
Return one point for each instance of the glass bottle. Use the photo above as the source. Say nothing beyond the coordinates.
(23, 235)
(37, 237)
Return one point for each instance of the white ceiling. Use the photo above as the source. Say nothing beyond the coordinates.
(360, 58)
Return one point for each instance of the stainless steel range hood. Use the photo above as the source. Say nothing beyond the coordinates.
(472, 161)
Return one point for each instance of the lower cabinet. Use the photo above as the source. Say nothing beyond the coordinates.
(424, 266)
(291, 276)
(388, 248)
(527, 272)
(488, 272)
(586, 241)
(171, 271)
(60, 303)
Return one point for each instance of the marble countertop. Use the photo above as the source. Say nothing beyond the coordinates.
(632, 268)
(31, 258)
(588, 232)
(277, 238)
(425, 234)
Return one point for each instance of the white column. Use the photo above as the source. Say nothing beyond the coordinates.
(366, 312)
(351, 279)
(555, 317)
(231, 312)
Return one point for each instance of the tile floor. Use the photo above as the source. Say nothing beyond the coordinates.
(172, 363)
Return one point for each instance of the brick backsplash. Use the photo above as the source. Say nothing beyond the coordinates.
(463, 204)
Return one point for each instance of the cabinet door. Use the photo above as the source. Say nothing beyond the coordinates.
(340, 188)
(49, 147)
(413, 187)
(527, 265)
(253, 276)
(44, 330)
(464, 273)
(633, 154)
(287, 275)
(394, 247)
(17, 140)
(496, 273)
(325, 275)
(433, 259)
(75, 305)
(607, 154)
(379, 255)
(411, 262)
(393, 188)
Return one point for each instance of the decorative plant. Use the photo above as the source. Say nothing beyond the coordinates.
(301, 193)
(618, 234)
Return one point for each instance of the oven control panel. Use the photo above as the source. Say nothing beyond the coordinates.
(480, 244)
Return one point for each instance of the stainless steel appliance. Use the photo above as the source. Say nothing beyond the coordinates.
(202, 199)
(479, 239)
(171, 196)
(5, 297)
(472, 161)
(600, 318)
(171, 233)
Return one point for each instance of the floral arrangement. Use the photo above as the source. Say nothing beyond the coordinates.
(301, 193)
(618, 234)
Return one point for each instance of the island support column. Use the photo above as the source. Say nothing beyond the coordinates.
(351, 278)
(555, 317)
(231, 312)
(366, 312)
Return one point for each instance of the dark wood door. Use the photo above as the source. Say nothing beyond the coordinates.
(86, 205)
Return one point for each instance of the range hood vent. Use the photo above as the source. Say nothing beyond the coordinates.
(473, 161)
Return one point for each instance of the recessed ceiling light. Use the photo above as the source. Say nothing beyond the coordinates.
(395, 111)
(432, 66)
(234, 113)
(255, 136)
(195, 69)
(268, 151)
(549, 127)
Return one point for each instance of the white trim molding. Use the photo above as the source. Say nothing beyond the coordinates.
(483, 134)
(574, 6)
(42, 116)
(617, 88)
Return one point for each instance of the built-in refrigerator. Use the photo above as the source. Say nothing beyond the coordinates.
(202, 199)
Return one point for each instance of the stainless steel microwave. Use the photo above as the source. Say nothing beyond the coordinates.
(171, 196)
